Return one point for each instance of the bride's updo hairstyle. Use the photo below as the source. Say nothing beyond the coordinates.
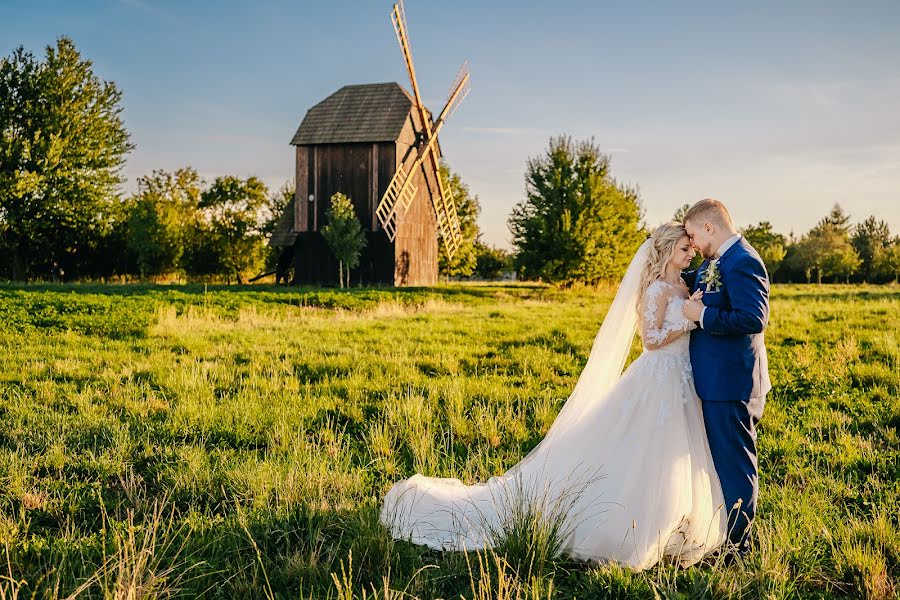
(662, 247)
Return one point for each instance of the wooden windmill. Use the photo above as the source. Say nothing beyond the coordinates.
(398, 197)
(378, 144)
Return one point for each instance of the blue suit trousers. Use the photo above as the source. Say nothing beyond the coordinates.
(731, 430)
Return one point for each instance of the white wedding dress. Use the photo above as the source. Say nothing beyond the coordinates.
(626, 466)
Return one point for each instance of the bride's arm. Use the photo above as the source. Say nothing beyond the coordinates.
(654, 332)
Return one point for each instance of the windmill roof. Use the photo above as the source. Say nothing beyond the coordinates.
(374, 112)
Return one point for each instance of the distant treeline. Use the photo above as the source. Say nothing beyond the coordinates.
(63, 216)
(834, 250)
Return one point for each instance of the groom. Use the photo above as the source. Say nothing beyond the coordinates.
(728, 355)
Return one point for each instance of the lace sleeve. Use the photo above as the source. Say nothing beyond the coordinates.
(655, 331)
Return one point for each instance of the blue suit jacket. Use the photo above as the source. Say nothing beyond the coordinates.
(728, 354)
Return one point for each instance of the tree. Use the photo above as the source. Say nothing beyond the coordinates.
(163, 220)
(771, 246)
(887, 264)
(681, 212)
(841, 261)
(870, 239)
(467, 210)
(234, 211)
(276, 205)
(344, 235)
(491, 262)
(826, 249)
(62, 145)
(576, 223)
(276, 256)
(838, 219)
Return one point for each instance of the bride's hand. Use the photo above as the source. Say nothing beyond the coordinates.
(692, 308)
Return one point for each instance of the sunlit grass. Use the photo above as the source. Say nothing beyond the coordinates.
(248, 434)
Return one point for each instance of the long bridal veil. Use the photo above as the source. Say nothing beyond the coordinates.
(552, 479)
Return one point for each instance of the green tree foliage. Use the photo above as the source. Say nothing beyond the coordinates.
(344, 235)
(234, 213)
(163, 220)
(838, 219)
(467, 209)
(278, 203)
(576, 224)
(771, 246)
(681, 212)
(62, 145)
(870, 239)
(887, 264)
(827, 251)
(491, 262)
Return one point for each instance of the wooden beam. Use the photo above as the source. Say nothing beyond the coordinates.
(301, 190)
(315, 189)
(373, 195)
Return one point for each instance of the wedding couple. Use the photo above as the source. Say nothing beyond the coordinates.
(658, 461)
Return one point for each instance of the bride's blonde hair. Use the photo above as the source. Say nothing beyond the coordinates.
(662, 247)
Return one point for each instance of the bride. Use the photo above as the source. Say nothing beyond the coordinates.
(625, 470)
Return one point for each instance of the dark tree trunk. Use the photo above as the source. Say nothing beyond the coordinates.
(18, 264)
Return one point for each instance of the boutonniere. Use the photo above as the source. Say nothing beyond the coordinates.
(712, 278)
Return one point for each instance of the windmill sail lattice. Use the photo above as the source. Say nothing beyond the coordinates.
(401, 190)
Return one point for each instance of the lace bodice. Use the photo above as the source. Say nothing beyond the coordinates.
(661, 318)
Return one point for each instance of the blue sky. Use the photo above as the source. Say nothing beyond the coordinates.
(779, 109)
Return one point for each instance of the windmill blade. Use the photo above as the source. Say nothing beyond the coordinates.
(461, 81)
(398, 18)
(401, 191)
(444, 205)
(397, 199)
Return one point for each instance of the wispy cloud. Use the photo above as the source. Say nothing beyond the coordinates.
(507, 130)
(835, 95)
(883, 170)
(154, 12)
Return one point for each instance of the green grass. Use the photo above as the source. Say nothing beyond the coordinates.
(235, 442)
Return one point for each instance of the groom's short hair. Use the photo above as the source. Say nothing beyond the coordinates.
(708, 210)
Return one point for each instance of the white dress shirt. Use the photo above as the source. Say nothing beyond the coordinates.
(725, 246)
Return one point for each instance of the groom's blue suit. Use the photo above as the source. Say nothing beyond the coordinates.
(728, 357)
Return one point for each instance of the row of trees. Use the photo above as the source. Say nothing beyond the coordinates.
(577, 225)
(62, 146)
(176, 224)
(833, 250)
(63, 143)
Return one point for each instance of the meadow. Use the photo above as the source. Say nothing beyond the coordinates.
(234, 442)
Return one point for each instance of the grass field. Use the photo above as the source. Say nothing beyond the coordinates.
(235, 442)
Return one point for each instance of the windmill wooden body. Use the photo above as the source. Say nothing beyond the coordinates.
(377, 144)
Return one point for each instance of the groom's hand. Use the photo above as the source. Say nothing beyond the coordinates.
(693, 306)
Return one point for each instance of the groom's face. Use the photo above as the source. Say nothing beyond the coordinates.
(702, 237)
